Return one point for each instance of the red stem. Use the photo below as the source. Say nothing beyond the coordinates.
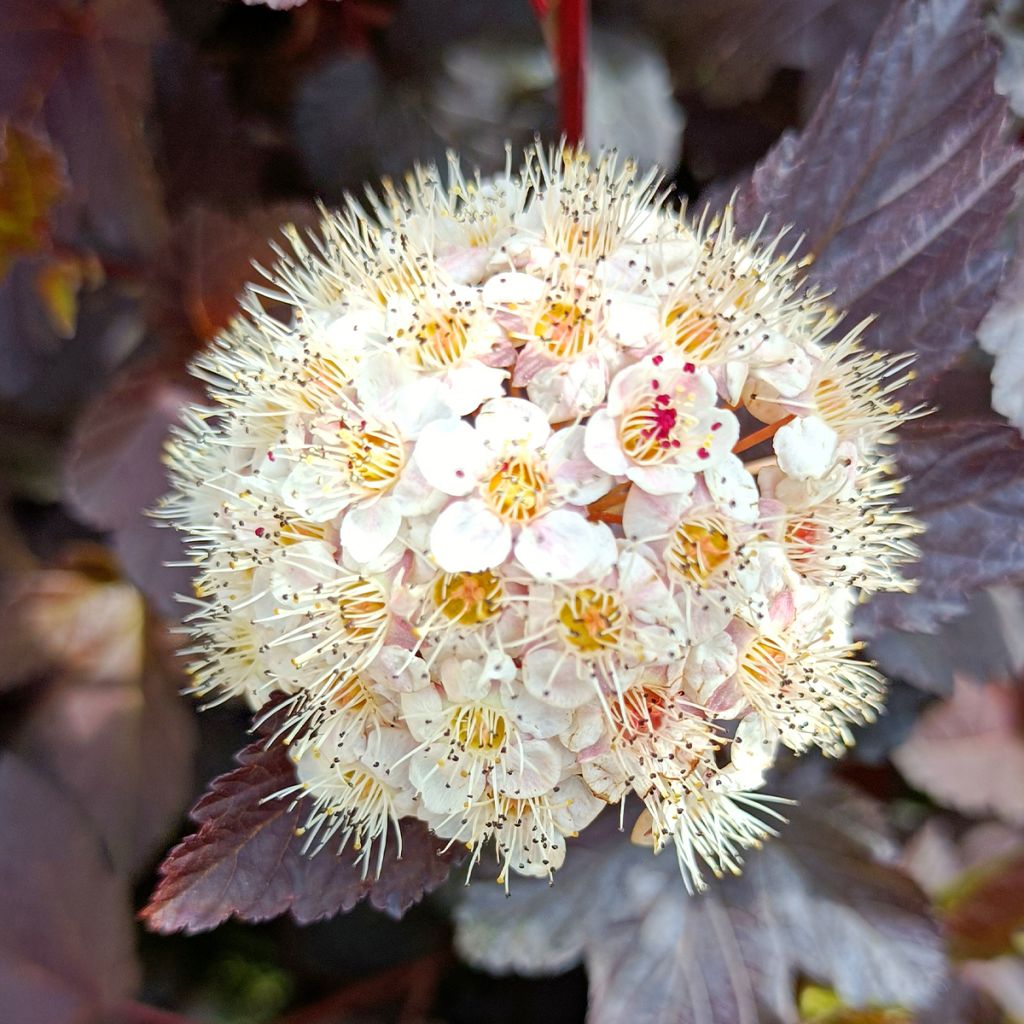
(573, 16)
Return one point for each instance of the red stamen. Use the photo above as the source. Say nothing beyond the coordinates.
(664, 421)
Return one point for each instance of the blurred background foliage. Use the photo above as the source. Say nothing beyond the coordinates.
(149, 149)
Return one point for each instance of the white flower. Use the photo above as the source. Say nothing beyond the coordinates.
(514, 476)
(543, 497)
(805, 447)
(660, 426)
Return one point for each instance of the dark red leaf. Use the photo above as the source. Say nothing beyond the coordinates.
(114, 475)
(67, 941)
(900, 183)
(983, 643)
(966, 483)
(246, 860)
(114, 469)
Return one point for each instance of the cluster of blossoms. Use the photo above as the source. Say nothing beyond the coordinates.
(543, 498)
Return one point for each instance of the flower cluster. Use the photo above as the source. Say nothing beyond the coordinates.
(542, 498)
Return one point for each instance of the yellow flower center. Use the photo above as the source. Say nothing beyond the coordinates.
(350, 693)
(441, 342)
(564, 330)
(697, 550)
(479, 729)
(762, 663)
(833, 400)
(591, 620)
(468, 598)
(650, 432)
(695, 331)
(363, 610)
(517, 488)
(802, 536)
(362, 786)
(640, 712)
(373, 455)
(323, 379)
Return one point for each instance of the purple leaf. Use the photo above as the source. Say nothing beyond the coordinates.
(67, 941)
(197, 279)
(900, 183)
(812, 903)
(114, 475)
(247, 861)
(111, 728)
(114, 468)
(966, 483)
(728, 50)
(85, 69)
(986, 642)
(968, 752)
(206, 153)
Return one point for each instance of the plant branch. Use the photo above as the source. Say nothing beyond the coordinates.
(573, 16)
(565, 26)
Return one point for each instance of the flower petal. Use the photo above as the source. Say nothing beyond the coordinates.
(450, 456)
(366, 530)
(646, 516)
(533, 771)
(562, 544)
(632, 320)
(380, 376)
(553, 676)
(512, 420)
(536, 717)
(734, 489)
(601, 444)
(663, 479)
(468, 386)
(469, 537)
(805, 447)
(575, 477)
(512, 290)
